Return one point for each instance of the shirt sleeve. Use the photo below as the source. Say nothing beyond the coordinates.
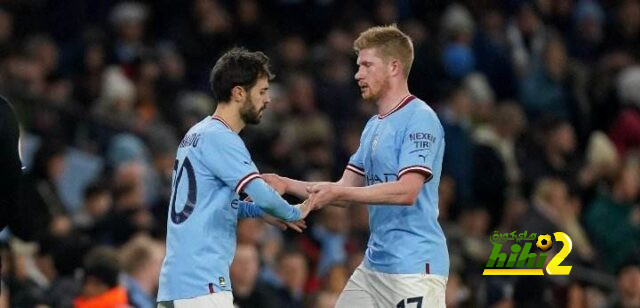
(420, 145)
(356, 161)
(271, 202)
(226, 156)
(249, 210)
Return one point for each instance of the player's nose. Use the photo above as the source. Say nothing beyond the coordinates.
(358, 75)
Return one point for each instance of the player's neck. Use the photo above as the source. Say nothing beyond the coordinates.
(230, 116)
(392, 98)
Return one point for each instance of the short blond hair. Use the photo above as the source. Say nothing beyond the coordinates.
(390, 42)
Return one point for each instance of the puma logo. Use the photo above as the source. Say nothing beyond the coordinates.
(424, 157)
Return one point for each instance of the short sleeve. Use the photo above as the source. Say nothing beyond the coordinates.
(356, 162)
(420, 145)
(226, 156)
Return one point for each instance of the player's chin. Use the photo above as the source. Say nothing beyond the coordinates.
(254, 120)
(366, 96)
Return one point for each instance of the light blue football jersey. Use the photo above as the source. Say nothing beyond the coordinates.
(212, 166)
(404, 239)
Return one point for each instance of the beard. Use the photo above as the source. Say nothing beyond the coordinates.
(249, 114)
(375, 96)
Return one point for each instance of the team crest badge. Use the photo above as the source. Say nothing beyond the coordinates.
(374, 143)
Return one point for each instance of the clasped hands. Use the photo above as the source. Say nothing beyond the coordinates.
(320, 195)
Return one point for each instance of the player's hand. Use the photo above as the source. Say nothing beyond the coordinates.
(322, 194)
(305, 208)
(298, 226)
(275, 181)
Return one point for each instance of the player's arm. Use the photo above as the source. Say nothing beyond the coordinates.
(420, 148)
(353, 176)
(402, 192)
(269, 201)
(248, 209)
(285, 185)
(226, 156)
(300, 189)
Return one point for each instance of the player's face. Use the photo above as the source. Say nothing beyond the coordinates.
(372, 75)
(256, 102)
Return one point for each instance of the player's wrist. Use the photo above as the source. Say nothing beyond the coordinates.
(340, 192)
(287, 183)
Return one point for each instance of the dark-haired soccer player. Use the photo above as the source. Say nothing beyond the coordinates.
(212, 167)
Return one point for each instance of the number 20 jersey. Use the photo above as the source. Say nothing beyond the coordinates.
(212, 166)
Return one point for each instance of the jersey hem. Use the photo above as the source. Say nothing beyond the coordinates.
(419, 169)
(355, 169)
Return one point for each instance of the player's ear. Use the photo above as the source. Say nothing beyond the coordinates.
(395, 67)
(238, 93)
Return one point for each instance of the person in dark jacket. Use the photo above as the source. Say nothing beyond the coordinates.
(9, 164)
(47, 214)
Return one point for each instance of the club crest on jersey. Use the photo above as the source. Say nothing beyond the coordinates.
(374, 143)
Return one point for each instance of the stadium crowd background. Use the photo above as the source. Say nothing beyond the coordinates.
(540, 101)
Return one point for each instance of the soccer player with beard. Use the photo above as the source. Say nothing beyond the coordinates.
(212, 167)
(396, 172)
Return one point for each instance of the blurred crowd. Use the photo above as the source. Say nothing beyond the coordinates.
(539, 100)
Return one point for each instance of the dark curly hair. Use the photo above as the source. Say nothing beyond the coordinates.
(237, 67)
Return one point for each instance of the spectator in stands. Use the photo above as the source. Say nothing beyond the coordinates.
(625, 131)
(552, 155)
(545, 88)
(458, 26)
(585, 41)
(128, 19)
(100, 286)
(458, 159)
(495, 155)
(330, 232)
(141, 259)
(47, 212)
(613, 219)
(248, 291)
(115, 106)
(97, 203)
(624, 34)
(628, 284)
(527, 36)
(292, 273)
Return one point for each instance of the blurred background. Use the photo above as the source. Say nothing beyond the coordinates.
(540, 102)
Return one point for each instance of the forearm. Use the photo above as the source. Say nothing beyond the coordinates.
(269, 201)
(298, 188)
(394, 193)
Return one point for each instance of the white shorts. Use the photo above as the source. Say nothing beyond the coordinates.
(367, 288)
(213, 300)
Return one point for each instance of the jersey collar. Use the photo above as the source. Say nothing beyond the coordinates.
(402, 103)
(215, 117)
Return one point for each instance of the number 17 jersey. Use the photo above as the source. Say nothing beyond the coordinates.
(212, 166)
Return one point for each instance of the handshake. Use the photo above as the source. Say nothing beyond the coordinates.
(318, 195)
